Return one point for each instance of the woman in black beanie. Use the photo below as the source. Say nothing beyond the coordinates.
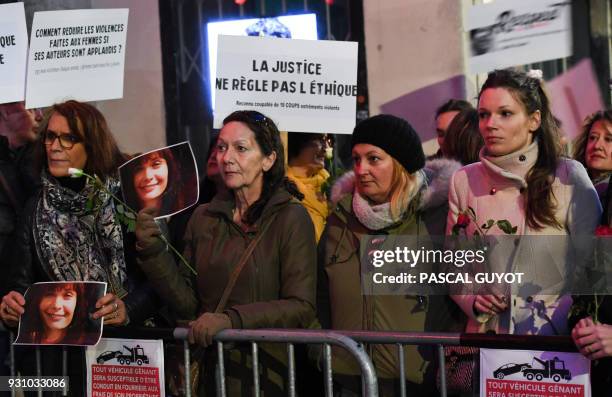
(391, 191)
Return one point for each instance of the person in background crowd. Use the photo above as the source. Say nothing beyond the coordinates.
(18, 130)
(463, 140)
(210, 186)
(391, 191)
(521, 178)
(307, 154)
(593, 148)
(69, 230)
(276, 287)
(444, 116)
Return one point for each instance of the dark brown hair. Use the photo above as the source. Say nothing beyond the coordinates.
(540, 202)
(463, 140)
(453, 105)
(268, 139)
(84, 120)
(580, 143)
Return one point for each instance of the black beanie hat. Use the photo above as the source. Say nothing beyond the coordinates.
(395, 136)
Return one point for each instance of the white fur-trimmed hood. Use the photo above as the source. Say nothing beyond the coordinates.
(434, 180)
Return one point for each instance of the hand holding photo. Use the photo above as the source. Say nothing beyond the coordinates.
(58, 313)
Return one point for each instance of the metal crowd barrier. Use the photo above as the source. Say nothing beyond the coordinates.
(350, 340)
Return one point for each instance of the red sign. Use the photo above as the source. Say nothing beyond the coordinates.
(124, 381)
(519, 388)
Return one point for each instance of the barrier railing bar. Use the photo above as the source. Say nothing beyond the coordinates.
(442, 364)
(493, 341)
(221, 371)
(308, 337)
(327, 369)
(187, 358)
(291, 368)
(65, 369)
(402, 369)
(255, 355)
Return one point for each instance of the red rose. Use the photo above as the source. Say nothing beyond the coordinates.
(603, 230)
(463, 220)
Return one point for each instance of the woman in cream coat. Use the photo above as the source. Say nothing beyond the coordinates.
(522, 178)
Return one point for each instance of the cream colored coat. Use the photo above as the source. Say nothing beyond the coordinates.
(492, 188)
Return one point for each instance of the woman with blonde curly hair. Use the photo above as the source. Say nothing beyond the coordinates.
(593, 148)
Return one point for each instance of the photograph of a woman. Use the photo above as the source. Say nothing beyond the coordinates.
(165, 179)
(57, 313)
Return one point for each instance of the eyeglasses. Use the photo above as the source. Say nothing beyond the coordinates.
(67, 141)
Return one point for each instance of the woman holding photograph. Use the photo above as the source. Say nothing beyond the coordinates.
(522, 181)
(70, 230)
(155, 182)
(259, 236)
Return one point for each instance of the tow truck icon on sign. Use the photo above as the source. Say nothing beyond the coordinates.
(551, 369)
(134, 355)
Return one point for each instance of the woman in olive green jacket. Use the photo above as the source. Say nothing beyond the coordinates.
(276, 287)
(392, 192)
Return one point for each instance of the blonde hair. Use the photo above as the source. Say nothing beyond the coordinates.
(403, 190)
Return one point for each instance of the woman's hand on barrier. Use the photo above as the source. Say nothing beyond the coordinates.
(593, 340)
(11, 308)
(207, 326)
(146, 229)
(112, 309)
(490, 304)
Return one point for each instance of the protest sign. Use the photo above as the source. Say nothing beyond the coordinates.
(125, 367)
(165, 178)
(303, 85)
(76, 54)
(58, 313)
(13, 52)
(515, 32)
(575, 95)
(515, 373)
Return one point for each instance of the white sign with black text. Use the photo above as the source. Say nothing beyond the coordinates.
(516, 32)
(516, 373)
(125, 367)
(76, 54)
(303, 85)
(13, 52)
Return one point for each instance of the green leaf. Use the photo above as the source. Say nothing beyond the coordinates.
(120, 209)
(131, 225)
(130, 215)
(488, 225)
(506, 226)
(514, 229)
(455, 230)
(471, 210)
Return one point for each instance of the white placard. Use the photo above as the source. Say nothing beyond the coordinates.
(125, 367)
(514, 373)
(13, 52)
(303, 85)
(516, 32)
(76, 54)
